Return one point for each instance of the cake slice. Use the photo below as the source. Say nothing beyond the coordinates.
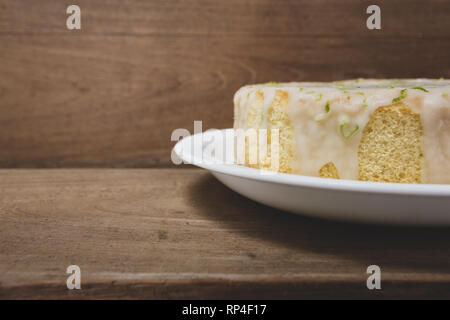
(371, 130)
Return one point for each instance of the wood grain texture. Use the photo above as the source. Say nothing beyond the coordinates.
(178, 233)
(111, 94)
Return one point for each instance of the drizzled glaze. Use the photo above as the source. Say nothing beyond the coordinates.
(318, 138)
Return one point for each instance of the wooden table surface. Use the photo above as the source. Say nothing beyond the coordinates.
(179, 233)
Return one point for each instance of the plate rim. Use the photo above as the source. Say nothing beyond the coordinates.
(424, 190)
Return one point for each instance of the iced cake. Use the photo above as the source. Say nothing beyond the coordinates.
(370, 130)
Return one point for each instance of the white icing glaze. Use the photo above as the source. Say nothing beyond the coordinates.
(319, 142)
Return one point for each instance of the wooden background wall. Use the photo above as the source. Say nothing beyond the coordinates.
(111, 94)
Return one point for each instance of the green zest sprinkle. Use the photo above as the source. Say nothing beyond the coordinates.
(384, 86)
(341, 86)
(322, 116)
(445, 95)
(319, 97)
(310, 92)
(272, 83)
(301, 89)
(400, 97)
(364, 105)
(420, 88)
(327, 107)
(347, 132)
(364, 101)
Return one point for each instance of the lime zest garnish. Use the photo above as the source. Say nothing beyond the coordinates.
(420, 88)
(347, 131)
(364, 105)
(342, 87)
(310, 92)
(384, 86)
(322, 116)
(272, 83)
(319, 97)
(400, 97)
(364, 101)
(301, 89)
(445, 94)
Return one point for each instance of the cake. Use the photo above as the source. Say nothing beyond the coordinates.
(369, 130)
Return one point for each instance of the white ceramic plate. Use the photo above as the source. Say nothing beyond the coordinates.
(349, 200)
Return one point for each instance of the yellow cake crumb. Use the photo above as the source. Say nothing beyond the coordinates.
(391, 146)
(278, 118)
(329, 170)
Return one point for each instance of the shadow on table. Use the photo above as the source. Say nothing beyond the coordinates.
(415, 248)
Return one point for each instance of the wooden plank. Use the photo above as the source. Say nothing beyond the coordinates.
(233, 17)
(111, 94)
(175, 233)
